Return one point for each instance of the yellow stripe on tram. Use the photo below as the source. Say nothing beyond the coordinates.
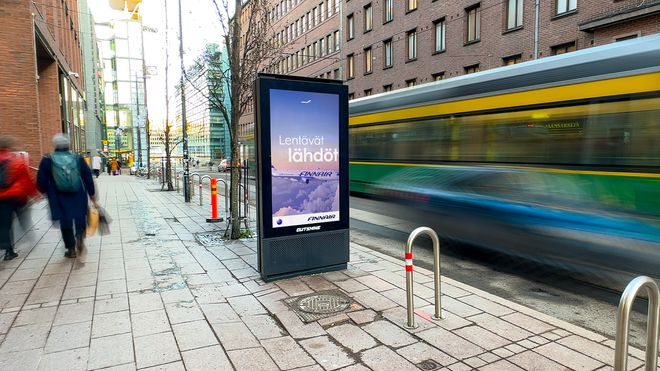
(594, 89)
(539, 169)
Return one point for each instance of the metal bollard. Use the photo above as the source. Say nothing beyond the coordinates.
(409, 274)
(200, 193)
(623, 323)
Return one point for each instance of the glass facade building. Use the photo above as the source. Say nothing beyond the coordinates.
(206, 90)
(121, 45)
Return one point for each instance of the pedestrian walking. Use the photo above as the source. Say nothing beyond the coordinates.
(15, 189)
(96, 166)
(67, 181)
(114, 166)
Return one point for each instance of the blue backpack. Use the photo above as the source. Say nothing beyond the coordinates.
(66, 171)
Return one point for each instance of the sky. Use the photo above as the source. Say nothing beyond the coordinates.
(295, 114)
(201, 25)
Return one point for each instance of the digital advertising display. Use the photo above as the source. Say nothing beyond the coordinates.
(301, 137)
(304, 144)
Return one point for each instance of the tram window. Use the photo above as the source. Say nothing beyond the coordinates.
(618, 133)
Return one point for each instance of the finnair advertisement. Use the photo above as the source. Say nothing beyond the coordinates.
(304, 138)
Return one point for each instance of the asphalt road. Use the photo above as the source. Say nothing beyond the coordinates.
(570, 296)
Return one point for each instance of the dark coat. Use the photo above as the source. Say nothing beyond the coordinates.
(65, 206)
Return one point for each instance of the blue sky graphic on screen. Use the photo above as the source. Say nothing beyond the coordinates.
(304, 139)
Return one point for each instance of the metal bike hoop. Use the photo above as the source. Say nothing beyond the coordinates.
(201, 179)
(623, 323)
(436, 274)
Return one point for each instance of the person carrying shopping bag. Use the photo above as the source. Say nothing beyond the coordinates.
(67, 181)
(15, 189)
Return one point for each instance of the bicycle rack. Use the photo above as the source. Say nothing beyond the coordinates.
(200, 187)
(176, 180)
(226, 195)
(192, 181)
(409, 274)
(623, 323)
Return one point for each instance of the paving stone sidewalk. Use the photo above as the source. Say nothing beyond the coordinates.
(150, 296)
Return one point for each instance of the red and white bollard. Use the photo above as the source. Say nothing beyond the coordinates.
(214, 202)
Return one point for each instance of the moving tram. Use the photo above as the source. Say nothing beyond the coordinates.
(556, 159)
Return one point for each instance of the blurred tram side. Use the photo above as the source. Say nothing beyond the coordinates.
(556, 159)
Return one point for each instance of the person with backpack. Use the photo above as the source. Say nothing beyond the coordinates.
(15, 189)
(67, 181)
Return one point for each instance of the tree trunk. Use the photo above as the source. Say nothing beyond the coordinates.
(236, 87)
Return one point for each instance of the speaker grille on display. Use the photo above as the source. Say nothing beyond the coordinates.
(297, 253)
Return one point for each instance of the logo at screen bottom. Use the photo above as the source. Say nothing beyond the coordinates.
(308, 229)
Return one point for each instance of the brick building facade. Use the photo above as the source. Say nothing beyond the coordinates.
(41, 76)
(308, 39)
(395, 44)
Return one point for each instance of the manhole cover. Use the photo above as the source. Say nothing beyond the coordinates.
(312, 307)
(429, 365)
(324, 303)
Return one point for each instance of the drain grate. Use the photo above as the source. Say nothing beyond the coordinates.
(429, 365)
(312, 307)
(324, 303)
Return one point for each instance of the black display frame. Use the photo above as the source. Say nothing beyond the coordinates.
(335, 257)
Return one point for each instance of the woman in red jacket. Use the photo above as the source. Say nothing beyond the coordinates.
(15, 189)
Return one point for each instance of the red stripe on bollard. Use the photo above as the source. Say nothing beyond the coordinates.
(409, 262)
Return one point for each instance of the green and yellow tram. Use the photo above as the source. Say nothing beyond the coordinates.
(556, 158)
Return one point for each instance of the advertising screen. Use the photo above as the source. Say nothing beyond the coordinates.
(304, 143)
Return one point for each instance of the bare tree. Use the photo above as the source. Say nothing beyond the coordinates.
(168, 150)
(250, 48)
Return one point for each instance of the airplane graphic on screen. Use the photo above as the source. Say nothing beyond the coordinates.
(305, 175)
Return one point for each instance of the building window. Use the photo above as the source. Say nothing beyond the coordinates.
(387, 50)
(565, 6)
(367, 92)
(514, 59)
(309, 53)
(335, 74)
(438, 76)
(322, 47)
(411, 82)
(473, 23)
(350, 27)
(337, 41)
(368, 67)
(412, 44)
(307, 23)
(411, 5)
(351, 96)
(472, 69)
(323, 11)
(387, 87)
(514, 14)
(439, 35)
(388, 11)
(368, 18)
(350, 65)
(329, 43)
(315, 16)
(624, 38)
(316, 50)
(563, 48)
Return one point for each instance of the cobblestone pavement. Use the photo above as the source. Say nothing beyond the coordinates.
(150, 296)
